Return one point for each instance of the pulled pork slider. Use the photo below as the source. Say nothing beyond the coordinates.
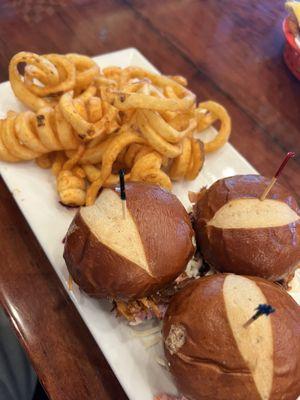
(128, 258)
(237, 232)
(213, 351)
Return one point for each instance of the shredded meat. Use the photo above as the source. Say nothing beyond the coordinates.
(138, 311)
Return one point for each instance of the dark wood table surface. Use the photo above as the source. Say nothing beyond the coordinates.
(230, 51)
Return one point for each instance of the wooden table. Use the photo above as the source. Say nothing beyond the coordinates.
(230, 51)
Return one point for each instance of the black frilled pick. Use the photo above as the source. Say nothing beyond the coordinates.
(122, 184)
(262, 309)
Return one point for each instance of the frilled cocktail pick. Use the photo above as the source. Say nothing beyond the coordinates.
(262, 309)
(289, 155)
(122, 191)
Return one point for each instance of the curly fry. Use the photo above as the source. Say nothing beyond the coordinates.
(44, 161)
(220, 113)
(93, 190)
(155, 140)
(114, 148)
(47, 70)
(93, 173)
(181, 163)
(68, 165)
(197, 160)
(59, 160)
(71, 189)
(86, 70)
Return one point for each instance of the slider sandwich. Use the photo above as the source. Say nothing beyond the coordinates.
(219, 347)
(238, 232)
(130, 257)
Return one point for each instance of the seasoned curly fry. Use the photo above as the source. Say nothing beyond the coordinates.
(92, 172)
(54, 72)
(78, 171)
(166, 130)
(27, 135)
(131, 153)
(82, 116)
(114, 148)
(87, 124)
(189, 163)
(181, 163)
(196, 161)
(71, 189)
(144, 163)
(155, 140)
(86, 70)
(220, 113)
(44, 161)
(58, 163)
(75, 159)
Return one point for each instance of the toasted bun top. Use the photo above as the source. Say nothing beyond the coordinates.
(164, 227)
(211, 352)
(222, 206)
(253, 213)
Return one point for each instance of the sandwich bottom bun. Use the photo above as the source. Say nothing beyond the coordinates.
(237, 232)
(109, 255)
(212, 355)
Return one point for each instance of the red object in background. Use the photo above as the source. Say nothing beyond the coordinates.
(291, 52)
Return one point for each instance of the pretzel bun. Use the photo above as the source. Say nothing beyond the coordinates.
(212, 355)
(237, 232)
(111, 256)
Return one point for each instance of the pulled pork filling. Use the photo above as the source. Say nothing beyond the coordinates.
(155, 306)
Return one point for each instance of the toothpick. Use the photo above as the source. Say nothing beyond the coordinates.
(289, 155)
(124, 209)
(262, 309)
(122, 192)
(70, 283)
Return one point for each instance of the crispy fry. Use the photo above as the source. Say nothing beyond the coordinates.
(126, 101)
(167, 131)
(44, 161)
(225, 129)
(21, 91)
(93, 190)
(155, 140)
(93, 155)
(78, 171)
(94, 109)
(71, 189)
(196, 161)
(64, 131)
(156, 177)
(181, 163)
(131, 153)
(5, 154)
(146, 162)
(68, 165)
(205, 119)
(93, 173)
(11, 142)
(89, 92)
(114, 148)
(88, 124)
(59, 160)
(82, 116)
(82, 127)
(64, 67)
(86, 70)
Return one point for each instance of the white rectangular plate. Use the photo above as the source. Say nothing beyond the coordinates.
(35, 193)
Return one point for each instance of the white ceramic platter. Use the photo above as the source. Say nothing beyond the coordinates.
(35, 193)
